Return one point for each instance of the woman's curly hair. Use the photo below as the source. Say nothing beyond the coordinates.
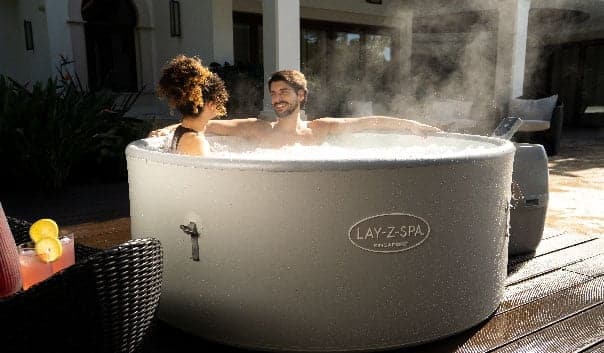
(187, 85)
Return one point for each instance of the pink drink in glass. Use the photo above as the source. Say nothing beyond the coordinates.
(33, 269)
(67, 257)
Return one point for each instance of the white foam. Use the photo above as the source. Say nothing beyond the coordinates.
(160, 144)
(357, 146)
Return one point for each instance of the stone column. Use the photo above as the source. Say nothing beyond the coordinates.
(281, 42)
(146, 57)
(405, 44)
(78, 41)
(59, 34)
(511, 51)
(222, 31)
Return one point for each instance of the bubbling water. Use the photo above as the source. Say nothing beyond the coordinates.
(356, 146)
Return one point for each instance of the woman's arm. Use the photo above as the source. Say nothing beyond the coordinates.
(231, 127)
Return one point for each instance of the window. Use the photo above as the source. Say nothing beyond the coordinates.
(247, 39)
(349, 61)
(345, 62)
(175, 18)
(313, 51)
(29, 37)
(110, 44)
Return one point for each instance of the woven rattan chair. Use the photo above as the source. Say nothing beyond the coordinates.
(106, 302)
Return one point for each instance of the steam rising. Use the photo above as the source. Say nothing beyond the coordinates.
(437, 64)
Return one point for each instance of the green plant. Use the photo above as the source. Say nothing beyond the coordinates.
(55, 125)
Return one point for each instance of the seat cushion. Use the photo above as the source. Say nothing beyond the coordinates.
(533, 109)
(534, 125)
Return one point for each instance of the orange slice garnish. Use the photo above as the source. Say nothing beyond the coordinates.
(43, 228)
(49, 249)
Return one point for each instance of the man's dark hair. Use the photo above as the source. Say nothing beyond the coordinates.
(294, 78)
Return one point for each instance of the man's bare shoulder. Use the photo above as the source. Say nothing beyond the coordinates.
(322, 126)
(321, 122)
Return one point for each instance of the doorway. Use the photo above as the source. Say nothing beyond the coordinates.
(577, 73)
(110, 47)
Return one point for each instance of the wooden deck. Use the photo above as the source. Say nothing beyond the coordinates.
(553, 302)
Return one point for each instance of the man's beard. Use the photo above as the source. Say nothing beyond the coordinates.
(293, 107)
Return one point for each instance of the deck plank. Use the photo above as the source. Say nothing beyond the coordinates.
(527, 319)
(562, 241)
(551, 232)
(571, 335)
(552, 244)
(543, 264)
(598, 348)
(593, 267)
(528, 291)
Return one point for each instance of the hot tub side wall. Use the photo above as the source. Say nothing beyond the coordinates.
(277, 269)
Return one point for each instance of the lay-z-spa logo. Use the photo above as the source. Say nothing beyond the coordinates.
(388, 233)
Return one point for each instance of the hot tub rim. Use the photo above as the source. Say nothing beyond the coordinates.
(136, 149)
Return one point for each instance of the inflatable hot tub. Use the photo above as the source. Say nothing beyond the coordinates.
(371, 251)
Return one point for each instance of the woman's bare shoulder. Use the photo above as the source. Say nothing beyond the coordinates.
(192, 143)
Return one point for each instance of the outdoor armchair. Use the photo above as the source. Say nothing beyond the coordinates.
(105, 302)
(542, 121)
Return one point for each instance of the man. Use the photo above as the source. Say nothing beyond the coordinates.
(288, 94)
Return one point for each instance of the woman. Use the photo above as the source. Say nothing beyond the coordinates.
(199, 95)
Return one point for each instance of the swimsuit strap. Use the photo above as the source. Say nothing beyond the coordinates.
(180, 130)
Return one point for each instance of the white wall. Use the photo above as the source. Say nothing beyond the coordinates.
(59, 36)
(11, 46)
(222, 31)
(24, 65)
(511, 51)
(206, 26)
(254, 6)
(206, 31)
(361, 12)
(561, 30)
(35, 65)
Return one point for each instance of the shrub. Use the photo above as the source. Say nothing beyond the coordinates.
(54, 126)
